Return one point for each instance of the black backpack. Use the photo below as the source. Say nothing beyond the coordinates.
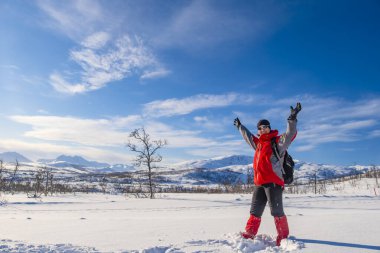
(287, 166)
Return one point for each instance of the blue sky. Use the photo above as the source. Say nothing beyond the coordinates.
(76, 77)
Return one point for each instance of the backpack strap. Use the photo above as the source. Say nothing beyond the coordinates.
(276, 152)
(275, 148)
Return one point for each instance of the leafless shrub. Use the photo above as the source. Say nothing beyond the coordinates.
(38, 184)
(12, 180)
(2, 179)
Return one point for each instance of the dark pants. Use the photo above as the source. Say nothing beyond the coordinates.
(271, 193)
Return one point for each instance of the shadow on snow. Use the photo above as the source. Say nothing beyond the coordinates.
(340, 244)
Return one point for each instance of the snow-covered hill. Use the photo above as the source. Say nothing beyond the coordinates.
(12, 157)
(305, 171)
(214, 163)
(117, 168)
(77, 161)
(235, 168)
(218, 170)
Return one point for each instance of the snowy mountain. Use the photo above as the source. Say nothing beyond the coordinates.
(218, 170)
(217, 162)
(236, 168)
(78, 162)
(304, 171)
(12, 157)
(75, 161)
(117, 168)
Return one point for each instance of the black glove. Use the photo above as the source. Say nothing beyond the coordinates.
(294, 111)
(237, 122)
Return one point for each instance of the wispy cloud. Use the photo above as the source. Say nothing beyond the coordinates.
(103, 64)
(187, 25)
(112, 132)
(223, 147)
(331, 119)
(105, 54)
(201, 24)
(37, 150)
(179, 138)
(155, 74)
(172, 107)
(315, 135)
(375, 133)
(10, 67)
(73, 18)
(317, 124)
(91, 132)
(322, 119)
(96, 40)
(57, 134)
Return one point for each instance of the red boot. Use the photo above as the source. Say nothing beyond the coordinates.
(252, 227)
(282, 228)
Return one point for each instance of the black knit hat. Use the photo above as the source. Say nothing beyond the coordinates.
(263, 122)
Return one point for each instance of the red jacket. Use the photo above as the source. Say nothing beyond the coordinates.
(267, 168)
(262, 164)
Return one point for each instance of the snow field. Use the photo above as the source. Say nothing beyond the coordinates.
(345, 222)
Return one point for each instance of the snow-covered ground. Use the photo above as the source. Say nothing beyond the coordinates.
(340, 221)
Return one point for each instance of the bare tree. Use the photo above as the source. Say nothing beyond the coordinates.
(48, 177)
(146, 150)
(38, 184)
(249, 176)
(375, 171)
(13, 178)
(2, 180)
(103, 185)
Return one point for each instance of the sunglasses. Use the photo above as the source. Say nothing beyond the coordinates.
(262, 127)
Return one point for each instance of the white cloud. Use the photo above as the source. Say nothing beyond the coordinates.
(200, 119)
(106, 133)
(100, 66)
(305, 148)
(10, 67)
(317, 125)
(323, 132)
(51, 136)
(194, 24)
(375, 133)
(91, 132)
(204, 24)
(61, 85)
(96, 40)
(322, 119)
(37, 150)
(174, 106)
(155, 74)
(107, 53)
(178, 138)
(74, 18)
(222, 148)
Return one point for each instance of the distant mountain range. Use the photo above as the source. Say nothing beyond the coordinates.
(12, 157)
(67, 161)
(240, 164)
(206, 171)
(78, 163)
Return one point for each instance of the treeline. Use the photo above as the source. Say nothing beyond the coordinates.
(320, 186)
(43, 181)
(34, 185)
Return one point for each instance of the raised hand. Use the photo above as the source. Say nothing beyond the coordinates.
(237, 122)
(294, 111)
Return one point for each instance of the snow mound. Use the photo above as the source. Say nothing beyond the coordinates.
(262, 244)
(232, 243)
(11, 246)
